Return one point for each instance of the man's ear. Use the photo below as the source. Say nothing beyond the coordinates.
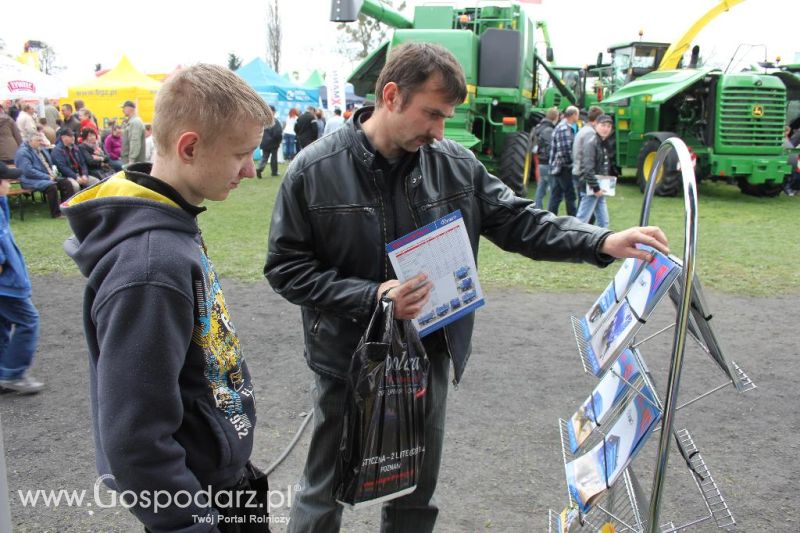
(392, 98)
(186, 145)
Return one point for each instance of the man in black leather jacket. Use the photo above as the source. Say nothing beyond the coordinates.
(379, 177)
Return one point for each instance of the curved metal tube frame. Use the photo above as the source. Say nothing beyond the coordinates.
(679, 340)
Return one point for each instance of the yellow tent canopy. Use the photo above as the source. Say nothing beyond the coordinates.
(105, 95)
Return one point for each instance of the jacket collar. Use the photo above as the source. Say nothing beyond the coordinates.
(360, 151)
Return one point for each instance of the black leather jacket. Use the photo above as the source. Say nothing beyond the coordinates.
(326, 243)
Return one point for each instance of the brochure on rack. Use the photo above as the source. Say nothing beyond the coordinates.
(620, 326)
(613, 294)
(591, 474)
(610, 392)
(441, 250)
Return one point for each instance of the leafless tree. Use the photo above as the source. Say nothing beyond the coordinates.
(273, 35)
(47, 59)
(363, 36)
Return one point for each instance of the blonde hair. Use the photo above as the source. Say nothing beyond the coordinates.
(206, 99)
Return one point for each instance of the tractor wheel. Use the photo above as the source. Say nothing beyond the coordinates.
(512, 162)
(668, 182)
(770, 189)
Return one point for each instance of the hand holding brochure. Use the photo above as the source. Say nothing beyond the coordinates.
(608, 184)
(442, 250)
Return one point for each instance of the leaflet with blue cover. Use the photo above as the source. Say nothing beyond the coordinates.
(619, 328)
(613, 294)
(612, 388)
(441, 250)
(591, 474)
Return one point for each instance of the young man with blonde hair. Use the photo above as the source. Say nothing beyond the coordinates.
(172, 400)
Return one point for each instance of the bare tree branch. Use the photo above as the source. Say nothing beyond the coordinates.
(362, 37)
(273, 35)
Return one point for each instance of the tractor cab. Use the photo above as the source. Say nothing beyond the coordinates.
(630, 61)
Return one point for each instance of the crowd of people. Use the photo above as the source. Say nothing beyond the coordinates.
(570, 161)
(301, 130)
(169, 385)
(62, 152)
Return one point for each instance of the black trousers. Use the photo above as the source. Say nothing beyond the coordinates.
(245, 518)
(272, 155)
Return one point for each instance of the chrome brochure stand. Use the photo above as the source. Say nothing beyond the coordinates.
(624, 506)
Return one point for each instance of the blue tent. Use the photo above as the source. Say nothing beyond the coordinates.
(276, 90)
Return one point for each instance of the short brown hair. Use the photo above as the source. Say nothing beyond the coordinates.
(207, 99)
(412, 64)
(594, 113)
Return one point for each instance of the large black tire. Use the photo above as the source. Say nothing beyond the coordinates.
(769, 189)
(512, 162)
(669, 183)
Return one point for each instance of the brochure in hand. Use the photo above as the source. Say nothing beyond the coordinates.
(610, 391)
(608, 184)
(443, 252)
(591, 474)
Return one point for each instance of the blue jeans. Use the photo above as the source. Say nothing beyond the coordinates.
(562, 189)
(545, 184)
(315, 509)
(17, 344)
(289, 146)
(591, 204)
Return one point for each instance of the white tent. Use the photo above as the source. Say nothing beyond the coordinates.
(21, 81)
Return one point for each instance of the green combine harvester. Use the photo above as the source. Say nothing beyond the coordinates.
(732, 123)
(496, 47)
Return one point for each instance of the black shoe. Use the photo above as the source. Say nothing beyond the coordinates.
(276, 175)
(258, 173)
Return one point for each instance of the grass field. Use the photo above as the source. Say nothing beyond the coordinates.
(746, 245)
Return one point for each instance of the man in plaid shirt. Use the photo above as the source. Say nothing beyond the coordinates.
(561, 163)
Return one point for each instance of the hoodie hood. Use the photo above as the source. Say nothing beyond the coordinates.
(116, 209)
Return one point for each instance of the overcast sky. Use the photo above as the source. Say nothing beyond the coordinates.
(159, 35)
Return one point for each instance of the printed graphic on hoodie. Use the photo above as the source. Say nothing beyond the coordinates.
(215, 334)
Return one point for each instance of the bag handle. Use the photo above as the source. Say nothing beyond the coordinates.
(385, 307)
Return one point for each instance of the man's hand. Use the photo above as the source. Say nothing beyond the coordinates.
(623, 244)
(599, 193)
(409, 297)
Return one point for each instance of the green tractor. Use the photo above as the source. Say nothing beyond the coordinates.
(496, 47)
(732, 123)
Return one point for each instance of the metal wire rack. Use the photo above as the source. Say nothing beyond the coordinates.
(624, 503)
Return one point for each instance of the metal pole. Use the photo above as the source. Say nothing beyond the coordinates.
(5, 510)
(679, 342)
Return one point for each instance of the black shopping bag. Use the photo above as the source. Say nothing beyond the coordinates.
(383, 443)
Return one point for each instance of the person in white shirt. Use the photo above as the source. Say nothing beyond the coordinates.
(335, 122)
(26, 122)
(149, 145)
(289, 136)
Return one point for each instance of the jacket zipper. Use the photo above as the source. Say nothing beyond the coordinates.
(383, 224)
(444, 328)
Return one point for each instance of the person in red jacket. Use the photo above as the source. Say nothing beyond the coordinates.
(86, 122)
